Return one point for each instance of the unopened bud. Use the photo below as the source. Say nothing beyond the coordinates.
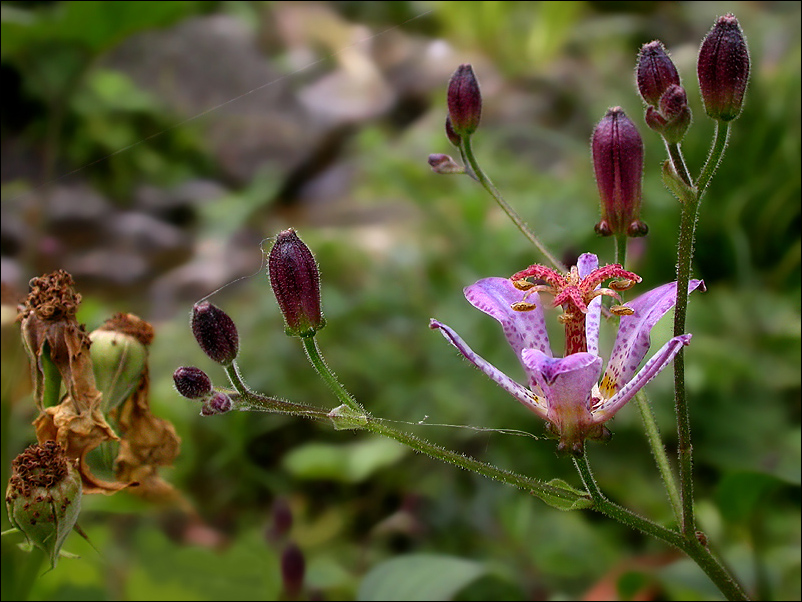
(617, 151)
(677, 113)
(215, 332)
(655, 72)
(464, 101)
(293, 568)
(43, 497)
(192, 382)
(723, 69)
(218, 403)
(296, 283)
(119, 357)
(452, 136)
(443, 164)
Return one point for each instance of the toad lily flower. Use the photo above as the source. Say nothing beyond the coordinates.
(566, 391)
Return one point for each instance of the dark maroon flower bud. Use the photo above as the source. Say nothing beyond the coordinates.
(674, 107)
(617, 151)
(296, 283)
(192, 382)
(655, 72)
(723, 69)
(452, 136)
(215, 332)
(464, 101)
(280, 520)
(443, 164)
(218, 403)
(293, 568)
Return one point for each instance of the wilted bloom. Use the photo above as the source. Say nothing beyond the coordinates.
(215, 332)
(192, 382)
(464, 102)
(655, 72)
(296, 283)
(567, 391)
(617, 151)
(43, 497)
(723, 69)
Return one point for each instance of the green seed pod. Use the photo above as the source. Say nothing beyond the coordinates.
(43, 497)
(118, 361)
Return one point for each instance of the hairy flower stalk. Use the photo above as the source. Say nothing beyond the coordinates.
(567, 392)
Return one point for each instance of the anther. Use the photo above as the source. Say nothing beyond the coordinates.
(522, 306)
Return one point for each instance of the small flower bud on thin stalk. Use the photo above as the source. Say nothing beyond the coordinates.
(673, 118)
(218, 403)
(617, 151)
(723, 69)
(295, 280)
(655, 72)
(464, 101)
(192, 382)
(444, 164)
(215, 332)
(43, 497)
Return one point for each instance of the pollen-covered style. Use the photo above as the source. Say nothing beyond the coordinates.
(567, 391)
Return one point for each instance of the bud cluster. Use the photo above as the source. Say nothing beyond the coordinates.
(659, 85)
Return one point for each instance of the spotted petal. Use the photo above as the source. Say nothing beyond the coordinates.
(521, 393)
(608, 407)
(523, 329)
(633, 340)
(586, 263)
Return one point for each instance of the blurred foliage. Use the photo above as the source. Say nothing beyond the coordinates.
(361, 510)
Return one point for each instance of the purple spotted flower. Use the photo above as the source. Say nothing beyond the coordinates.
(574, 394)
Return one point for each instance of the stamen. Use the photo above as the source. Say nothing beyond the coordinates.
(621, 285)
(621, 310)
(523, 306)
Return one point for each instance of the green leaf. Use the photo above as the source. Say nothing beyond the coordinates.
(741, 493)
(419, 577)
(349, 463)
(581, 501)
(675, 184)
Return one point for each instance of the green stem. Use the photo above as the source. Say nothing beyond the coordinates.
(685, 249)
(678, 161)
(250, 400)
(690, 545)
(317, 361)
(476, 172)
(659, 453)
(649, 421)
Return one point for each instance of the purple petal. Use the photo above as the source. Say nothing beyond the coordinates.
(653, 367)
(522, 394)
(632, 342)
(523, 329)
(567, 384)
(586, 263)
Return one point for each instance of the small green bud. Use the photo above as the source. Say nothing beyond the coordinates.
(118, 361)
(43, 497)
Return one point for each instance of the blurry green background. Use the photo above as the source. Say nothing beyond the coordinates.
(148, 148)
